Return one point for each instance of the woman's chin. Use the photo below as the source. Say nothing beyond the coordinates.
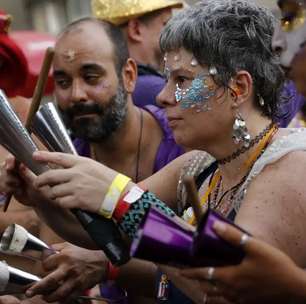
(184, 142)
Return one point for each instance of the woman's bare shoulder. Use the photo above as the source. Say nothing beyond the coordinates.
(274, 207)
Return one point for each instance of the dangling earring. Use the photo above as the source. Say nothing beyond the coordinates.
(240, 132)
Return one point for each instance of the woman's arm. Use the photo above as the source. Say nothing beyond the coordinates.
(82, 178)
(164, 183)
(82, 183)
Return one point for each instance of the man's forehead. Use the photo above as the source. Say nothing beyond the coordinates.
(86, 36)
(70, 51)
(84, 67)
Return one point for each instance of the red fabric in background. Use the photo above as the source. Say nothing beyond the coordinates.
(13, 66)
(33, 46)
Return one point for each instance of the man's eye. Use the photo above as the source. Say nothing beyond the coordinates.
(287, 20)
(62, 83)
(91, 78)
(293, 20)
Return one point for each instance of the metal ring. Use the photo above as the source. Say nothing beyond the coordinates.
(210, 273)
(205, 298)
(244, 239)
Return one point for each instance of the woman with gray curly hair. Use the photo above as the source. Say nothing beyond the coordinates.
(222, 97)
(267, 274)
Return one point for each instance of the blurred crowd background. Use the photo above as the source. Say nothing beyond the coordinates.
(51, 15)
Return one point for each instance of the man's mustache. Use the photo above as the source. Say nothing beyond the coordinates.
(84, 109)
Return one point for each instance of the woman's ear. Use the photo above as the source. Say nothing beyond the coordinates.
(129, 75)
(241, 88)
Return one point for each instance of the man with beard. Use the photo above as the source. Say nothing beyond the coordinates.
(93, 87)
(94, 80)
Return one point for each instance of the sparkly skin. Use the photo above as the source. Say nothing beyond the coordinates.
(198, 93)
(69, 55)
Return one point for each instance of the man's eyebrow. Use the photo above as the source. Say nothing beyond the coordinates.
(59, 73)
(93, 67)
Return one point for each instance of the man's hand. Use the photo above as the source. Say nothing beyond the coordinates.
(71, 271)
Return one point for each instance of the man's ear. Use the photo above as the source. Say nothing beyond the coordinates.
(241, 88)
(134, 32)
(129, 75)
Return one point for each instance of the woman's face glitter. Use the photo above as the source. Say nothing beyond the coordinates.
(198, 92)
(196, 95)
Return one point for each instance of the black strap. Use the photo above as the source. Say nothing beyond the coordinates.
(205, 174)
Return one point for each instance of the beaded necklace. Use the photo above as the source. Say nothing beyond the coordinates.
(243, 149)
(215, 182)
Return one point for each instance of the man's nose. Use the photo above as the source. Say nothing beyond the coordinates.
(279, 43)
(78, 92)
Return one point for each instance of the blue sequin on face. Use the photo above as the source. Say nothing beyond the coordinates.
(196, 95)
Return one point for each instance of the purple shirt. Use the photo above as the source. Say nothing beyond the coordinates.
(167, 151)
(146, 90)
(149, 84)
(292, 106)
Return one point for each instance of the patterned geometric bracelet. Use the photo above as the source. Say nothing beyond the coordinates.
(131, 220)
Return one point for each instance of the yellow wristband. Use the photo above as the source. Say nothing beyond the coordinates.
(113, 195)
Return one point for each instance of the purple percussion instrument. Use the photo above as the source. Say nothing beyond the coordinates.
(209, 249)
(163, 239)
(166, 240)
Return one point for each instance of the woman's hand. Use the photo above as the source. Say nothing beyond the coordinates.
(198, 291)
(266, 275)
(80, 183)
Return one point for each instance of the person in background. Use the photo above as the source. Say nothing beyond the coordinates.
(142, 22)
(13, 64)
